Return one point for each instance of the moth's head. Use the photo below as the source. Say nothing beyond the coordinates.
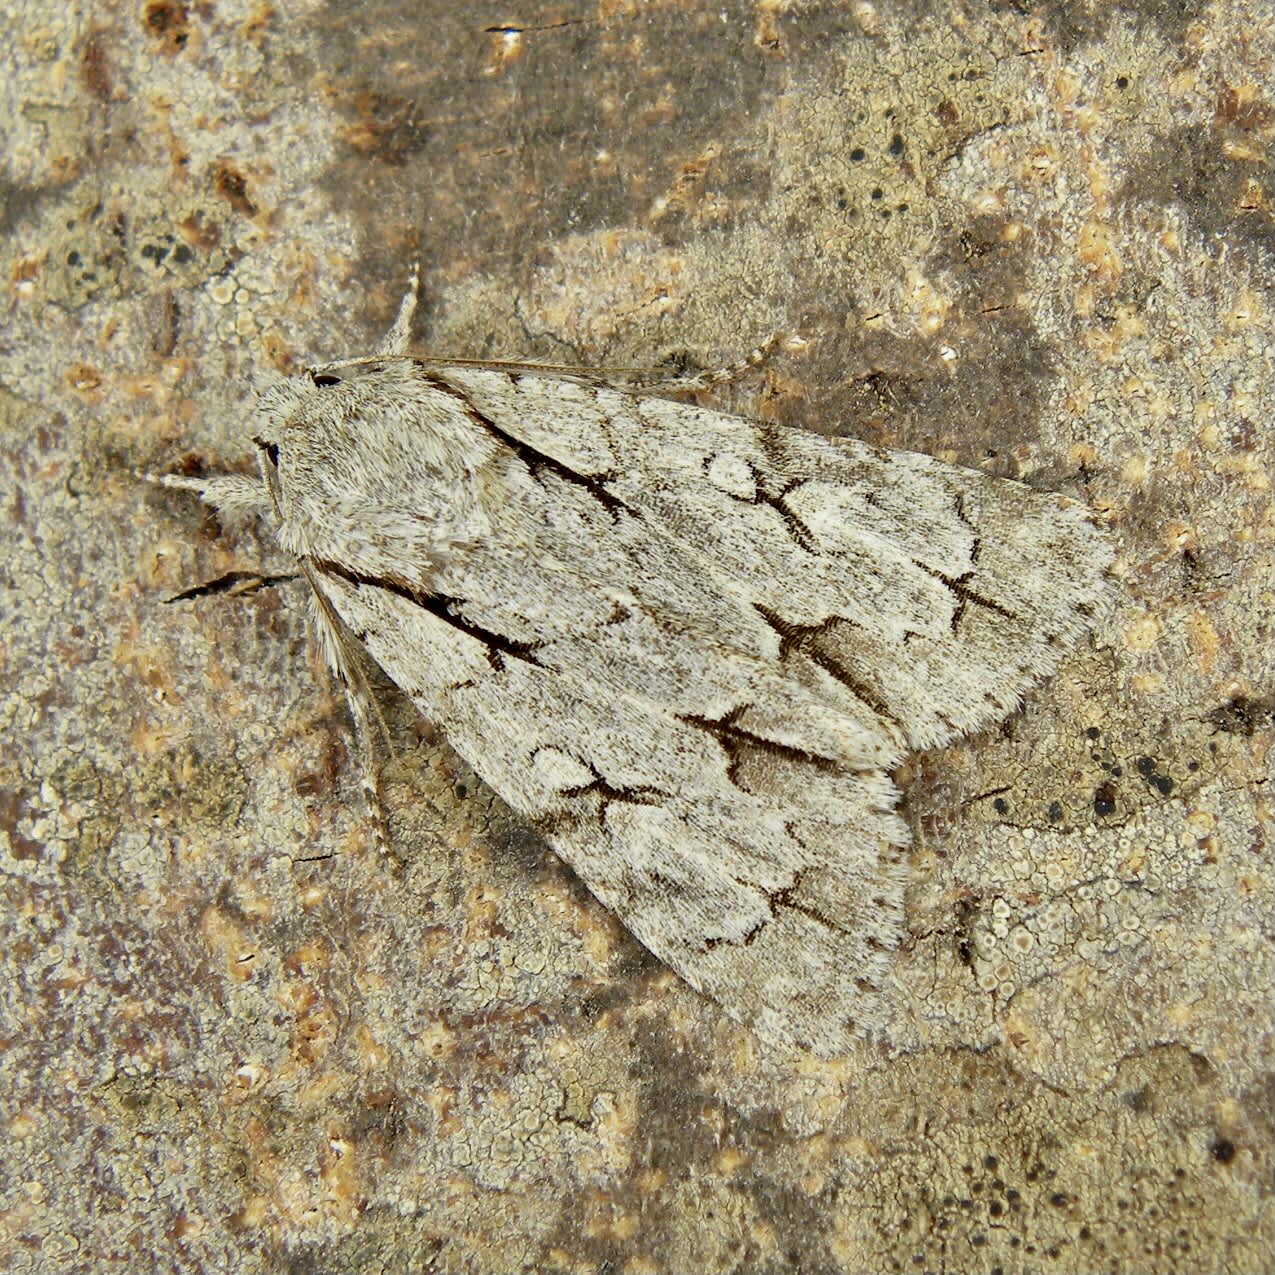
(302, 416)
(369, 426)
(368, 451)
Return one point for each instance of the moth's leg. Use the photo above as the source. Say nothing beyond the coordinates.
(234, 584)
(358, 697)
(238, 498)
(398, 337)
(341, 651)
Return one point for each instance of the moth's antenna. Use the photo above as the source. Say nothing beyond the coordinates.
(397, 338)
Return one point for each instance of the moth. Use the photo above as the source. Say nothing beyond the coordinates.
(688, 648)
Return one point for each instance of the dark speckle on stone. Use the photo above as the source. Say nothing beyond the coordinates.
(1104, 800)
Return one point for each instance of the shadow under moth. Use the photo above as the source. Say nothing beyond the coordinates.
(686, 647)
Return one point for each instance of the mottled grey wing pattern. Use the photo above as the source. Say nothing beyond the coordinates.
(688, 648)
(932, 592)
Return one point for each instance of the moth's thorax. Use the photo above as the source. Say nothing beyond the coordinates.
(376, 467)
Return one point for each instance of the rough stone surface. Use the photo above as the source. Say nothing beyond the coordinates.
(1034, 239)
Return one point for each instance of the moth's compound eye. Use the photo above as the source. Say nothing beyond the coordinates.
(271, 450)
(324, 378)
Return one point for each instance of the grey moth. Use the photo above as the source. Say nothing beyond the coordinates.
(686, 647)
